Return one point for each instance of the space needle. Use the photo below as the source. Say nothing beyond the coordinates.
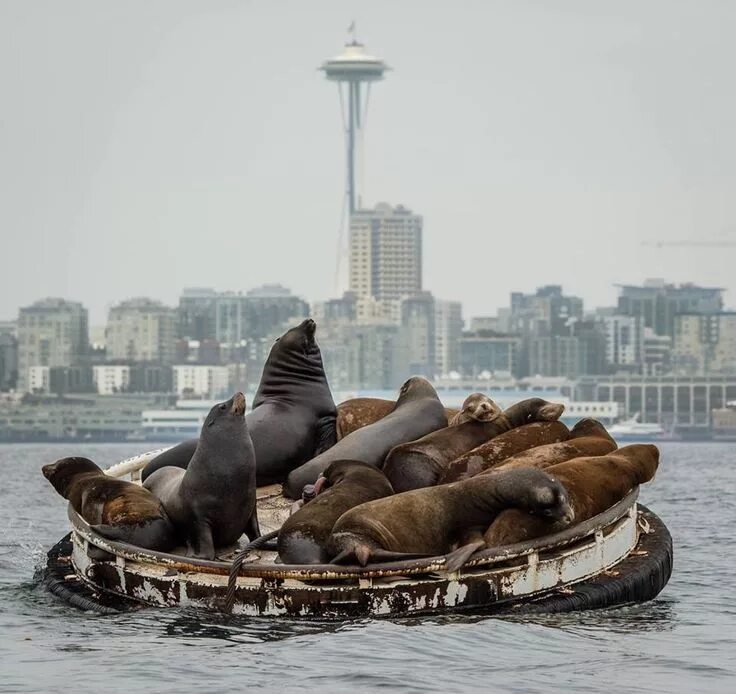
(353, 70)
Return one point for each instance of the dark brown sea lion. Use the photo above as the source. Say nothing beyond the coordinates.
(428, 521)
(343, 485)
(293, 416)
(115, 508)
(422, 463)
(357, 413)
(593, 485)
(587, 438)
(503, 446)
(418, 411)
(476, 407)
(213, 502)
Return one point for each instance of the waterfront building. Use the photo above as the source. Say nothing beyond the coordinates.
(704, 344)
(196, 313)
(547, 312)
(448, 328)
(111, 378)
(488, 352)
(385, 252)
(657, 303)
(676, 402)
(51, 332)
(418, 333)
(38, 380)
(195, 380)
(624, 342)
(151, 378)
(141, 330)
(271, 309)
(8, 360)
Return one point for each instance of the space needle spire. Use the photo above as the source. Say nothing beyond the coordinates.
(353, 70)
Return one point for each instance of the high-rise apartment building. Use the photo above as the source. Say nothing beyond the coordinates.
(448, 328)
(385, 253)
(51, 332)
(141, 330)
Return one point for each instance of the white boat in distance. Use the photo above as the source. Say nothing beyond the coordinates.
(634, 430)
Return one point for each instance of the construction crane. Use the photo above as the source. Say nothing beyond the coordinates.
(707, 243)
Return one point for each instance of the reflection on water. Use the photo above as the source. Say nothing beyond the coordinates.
(682, 641)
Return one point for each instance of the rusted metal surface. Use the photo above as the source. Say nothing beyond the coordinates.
(416, 586)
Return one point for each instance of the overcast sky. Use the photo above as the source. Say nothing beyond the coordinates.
(150, 145)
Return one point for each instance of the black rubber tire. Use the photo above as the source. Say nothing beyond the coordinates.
(638, 578)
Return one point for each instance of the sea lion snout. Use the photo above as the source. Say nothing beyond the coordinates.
(310, 327)
(238, 406)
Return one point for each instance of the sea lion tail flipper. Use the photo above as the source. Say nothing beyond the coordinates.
(158, 534)
(326, 434)
(252, 529)
(456, 560)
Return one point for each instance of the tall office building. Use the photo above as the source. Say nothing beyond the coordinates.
(657, 303)
(385, 253)
(51, 332)
(448, 328)
(141, 330)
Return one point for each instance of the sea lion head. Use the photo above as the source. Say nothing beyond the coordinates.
(415, 387)
(62, 473)
(226, 415)
(352, 470)
(589, 427)
(298, 340)
(543, 411)
(480, 408)
(541, 494)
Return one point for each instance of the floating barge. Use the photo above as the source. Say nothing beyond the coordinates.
(621, 556)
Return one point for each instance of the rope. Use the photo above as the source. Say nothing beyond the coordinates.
(237, 564)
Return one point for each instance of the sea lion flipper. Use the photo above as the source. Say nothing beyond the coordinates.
(252, 529)
(200, 544)
(456, 560)
(326, 434)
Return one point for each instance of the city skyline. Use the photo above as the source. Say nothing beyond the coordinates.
(524, 160)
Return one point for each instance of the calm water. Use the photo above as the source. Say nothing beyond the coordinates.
(683, 641)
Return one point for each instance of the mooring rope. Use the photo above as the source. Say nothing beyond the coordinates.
(237, 564)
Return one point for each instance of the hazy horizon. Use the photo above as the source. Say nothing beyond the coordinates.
(153, 146)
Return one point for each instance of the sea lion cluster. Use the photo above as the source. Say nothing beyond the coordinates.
(374, 480)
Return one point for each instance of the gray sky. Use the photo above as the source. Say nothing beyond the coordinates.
(150, 145)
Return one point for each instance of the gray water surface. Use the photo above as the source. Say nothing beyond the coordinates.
(684, 641)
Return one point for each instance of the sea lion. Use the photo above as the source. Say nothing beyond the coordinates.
(422, 463)
(357, 413)
(593, 485)
(213, 501)
(418, 411)
(293, 416)
(587, 438)
(427, 522)
(503, 446)
(476, 407)
(114, 508)
(343, 485)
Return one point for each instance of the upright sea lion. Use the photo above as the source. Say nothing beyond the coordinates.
(503, 446)
(428, 521)
(593, 485)
(357, 413)
(587, 438)
(418, 411)
(476, 407)
(293, 416)
(422, 463)
(213, 501)
(114, 508)
(343, 485)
